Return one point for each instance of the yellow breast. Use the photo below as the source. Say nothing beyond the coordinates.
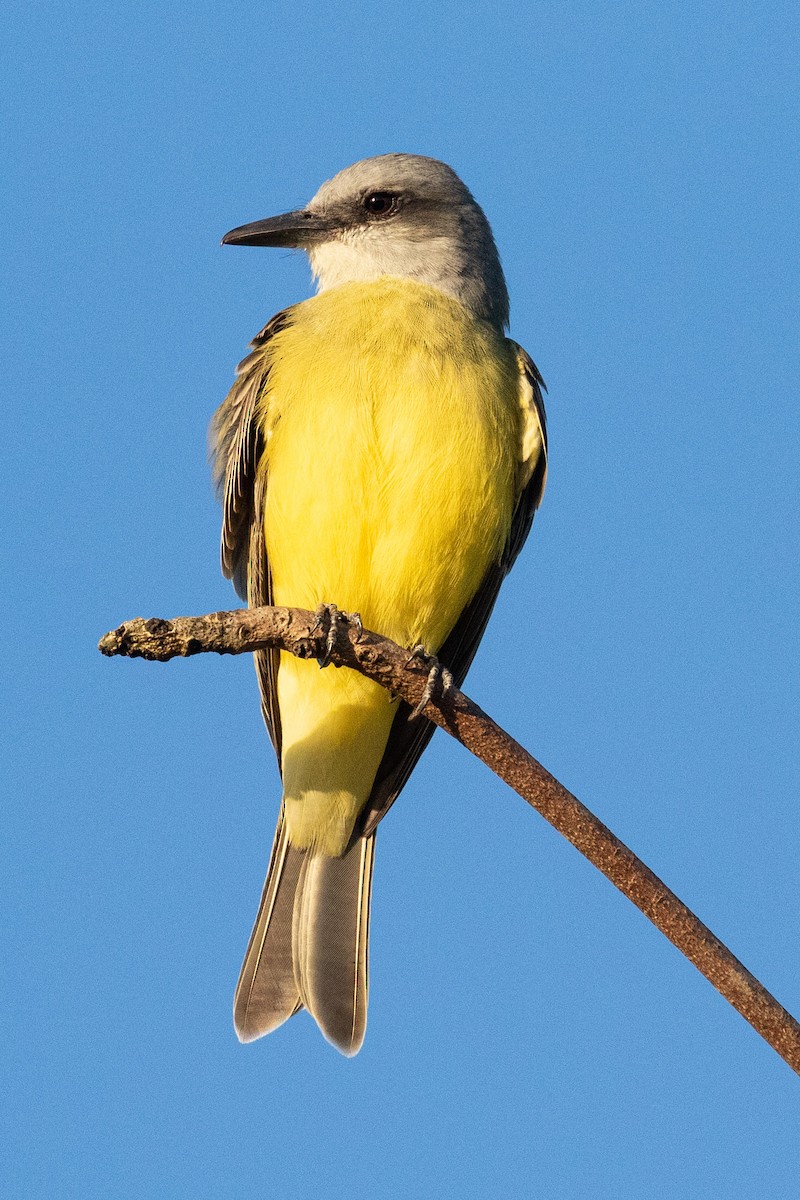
(393, 431)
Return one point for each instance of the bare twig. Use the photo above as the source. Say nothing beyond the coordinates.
(298, 631)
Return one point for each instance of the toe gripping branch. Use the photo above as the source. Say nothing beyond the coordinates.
(330, 622)
(439, 681)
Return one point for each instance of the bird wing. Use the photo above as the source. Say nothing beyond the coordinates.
(409, 736)
(237, 445)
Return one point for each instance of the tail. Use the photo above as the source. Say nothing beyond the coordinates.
(309, 946)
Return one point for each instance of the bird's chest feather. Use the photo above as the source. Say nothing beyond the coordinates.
(393, 434)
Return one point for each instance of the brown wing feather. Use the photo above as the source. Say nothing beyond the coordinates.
(259, 591)
(409, 737)
(234, 449)
(236, 446)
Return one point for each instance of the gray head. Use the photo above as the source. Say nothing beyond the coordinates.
(397, 214)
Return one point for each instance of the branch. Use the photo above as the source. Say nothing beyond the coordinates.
(345, 644)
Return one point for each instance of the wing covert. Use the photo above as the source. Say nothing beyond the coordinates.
(236, 445)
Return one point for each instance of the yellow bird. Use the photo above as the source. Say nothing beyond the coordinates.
(383, 449)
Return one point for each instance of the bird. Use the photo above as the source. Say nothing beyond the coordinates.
(383, 449)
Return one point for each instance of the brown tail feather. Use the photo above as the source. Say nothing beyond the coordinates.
(266, 994)
(330, 942)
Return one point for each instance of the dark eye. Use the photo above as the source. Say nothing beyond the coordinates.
(380, 204)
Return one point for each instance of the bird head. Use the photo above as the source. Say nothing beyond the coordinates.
(400, 215)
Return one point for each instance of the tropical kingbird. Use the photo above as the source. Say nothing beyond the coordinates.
(383, 448)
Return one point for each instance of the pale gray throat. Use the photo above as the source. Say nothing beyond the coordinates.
(467, 268)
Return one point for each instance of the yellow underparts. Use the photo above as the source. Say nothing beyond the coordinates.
(392, 429)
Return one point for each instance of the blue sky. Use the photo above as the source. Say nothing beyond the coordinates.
(530, 1034)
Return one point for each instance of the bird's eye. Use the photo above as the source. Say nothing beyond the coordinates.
(380, 204)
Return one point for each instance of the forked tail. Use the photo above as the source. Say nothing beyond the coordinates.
(310, 944)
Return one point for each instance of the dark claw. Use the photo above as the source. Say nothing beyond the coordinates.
(328, 622)
(417, 653)
(437, 685)
(323, 615)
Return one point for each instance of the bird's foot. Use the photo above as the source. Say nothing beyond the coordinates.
(329, 622)
(418, 653)
(439, 682)
(355, 619)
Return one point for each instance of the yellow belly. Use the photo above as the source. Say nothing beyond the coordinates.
(392, 427)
